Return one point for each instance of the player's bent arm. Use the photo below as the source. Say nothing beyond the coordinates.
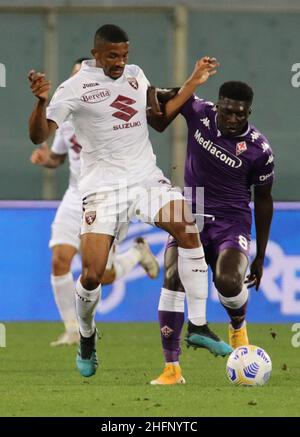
(160, 122)
(39, 127)
(263, 213)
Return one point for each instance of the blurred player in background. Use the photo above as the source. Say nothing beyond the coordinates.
(65, 239)
(119, 177)
(226, 155)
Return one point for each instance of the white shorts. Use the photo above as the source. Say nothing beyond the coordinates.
(66, 225)
(110, 212)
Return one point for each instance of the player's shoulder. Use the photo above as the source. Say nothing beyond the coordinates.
(133, 70)
(65, 88)
(201, 105)
(258, 141)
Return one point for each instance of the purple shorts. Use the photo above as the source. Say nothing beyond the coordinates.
(219, 235)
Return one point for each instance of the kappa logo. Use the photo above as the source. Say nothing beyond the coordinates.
(241, 147)
(166, 331)
(125, 112)
(270, 160)
(133, 82)
(90, 217)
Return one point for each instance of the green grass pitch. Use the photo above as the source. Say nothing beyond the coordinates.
(37, 380)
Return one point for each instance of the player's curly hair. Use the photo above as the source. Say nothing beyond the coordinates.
(111, 33)
(236, 90)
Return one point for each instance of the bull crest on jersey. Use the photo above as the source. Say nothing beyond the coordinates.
(241, 147)
(125, 112)
(90, 217)
(133, 82)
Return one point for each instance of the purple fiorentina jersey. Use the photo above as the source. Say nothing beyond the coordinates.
(225, 167)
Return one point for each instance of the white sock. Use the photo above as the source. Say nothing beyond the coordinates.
(172, 301)
(64, 293)
(237, 301)
(123, 263)
(86, 303)
(192, 270)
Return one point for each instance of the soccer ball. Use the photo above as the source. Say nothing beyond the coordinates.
(249, 365)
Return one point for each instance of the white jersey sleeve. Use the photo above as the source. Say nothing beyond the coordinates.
(143, 76)
(59, 145)
(62, 104)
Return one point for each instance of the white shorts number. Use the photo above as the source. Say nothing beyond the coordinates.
(243, 242)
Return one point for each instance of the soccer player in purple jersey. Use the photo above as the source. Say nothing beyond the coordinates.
(227, 156)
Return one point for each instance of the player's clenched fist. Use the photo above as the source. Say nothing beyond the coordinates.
(40, 156)
(39, 85)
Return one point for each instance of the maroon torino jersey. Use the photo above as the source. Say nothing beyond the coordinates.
(225, 167)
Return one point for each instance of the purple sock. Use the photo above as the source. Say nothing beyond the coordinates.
(171, 324)
(237, 315)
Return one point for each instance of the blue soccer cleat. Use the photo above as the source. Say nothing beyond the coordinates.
(87, 360)
(204, 337)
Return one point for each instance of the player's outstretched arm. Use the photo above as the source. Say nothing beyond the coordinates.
(45, 157)
(39, 127)
(263, 212)
(204, 68)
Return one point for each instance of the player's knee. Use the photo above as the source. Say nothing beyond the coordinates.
(228, 285)
(187, 235)
(91, 278)
(61, 263)
(171, 279)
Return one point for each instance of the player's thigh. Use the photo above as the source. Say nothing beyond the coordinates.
(94, 252)
(164, 206)
(65, 229)
(171, 276)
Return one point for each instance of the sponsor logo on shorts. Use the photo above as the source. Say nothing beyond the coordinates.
(166, 331)
(133, 82)
(95, 96)
(241, 147)
(217, 151)
(89, 85)
(90, 217)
